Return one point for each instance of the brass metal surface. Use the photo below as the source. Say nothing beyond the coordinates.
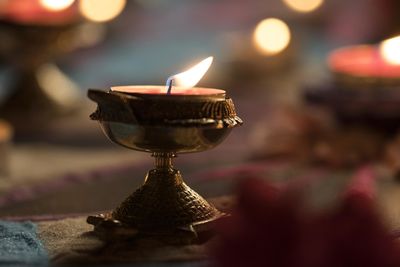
(165, 201)
(164, 139)
(165, 110)
(164, 125)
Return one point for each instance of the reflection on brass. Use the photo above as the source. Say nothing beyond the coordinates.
(163, 125)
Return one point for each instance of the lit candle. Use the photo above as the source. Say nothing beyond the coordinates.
(368, 61)
(180, 84)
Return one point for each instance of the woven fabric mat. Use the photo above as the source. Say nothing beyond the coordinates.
(20, 245)
(70, 241)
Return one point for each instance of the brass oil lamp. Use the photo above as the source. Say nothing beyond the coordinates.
(153, 119)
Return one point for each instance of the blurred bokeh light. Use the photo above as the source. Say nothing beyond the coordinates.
(271, 36)
(303, 5)
(390, 50)
(101, 10)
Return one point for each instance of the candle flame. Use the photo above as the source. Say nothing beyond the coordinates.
(390, 50)
(192, 76)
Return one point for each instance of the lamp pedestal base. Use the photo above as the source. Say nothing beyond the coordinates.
(164, 206)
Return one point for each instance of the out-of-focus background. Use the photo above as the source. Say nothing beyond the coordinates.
(270, 56)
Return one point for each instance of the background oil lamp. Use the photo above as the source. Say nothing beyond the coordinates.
(367, 66)
(365, 89)
(164, 121)
(34, 34)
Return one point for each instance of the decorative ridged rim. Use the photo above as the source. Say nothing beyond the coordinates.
(124, 108)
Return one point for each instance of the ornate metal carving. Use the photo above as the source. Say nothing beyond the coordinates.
(178, 110)
(164, 125)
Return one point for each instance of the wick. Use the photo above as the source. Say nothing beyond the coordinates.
(169, 84)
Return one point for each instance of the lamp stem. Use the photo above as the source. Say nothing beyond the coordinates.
(163, 160)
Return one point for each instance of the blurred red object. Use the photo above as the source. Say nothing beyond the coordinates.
(32, 12)
(272, 228)
(362, 61)
(363, 184)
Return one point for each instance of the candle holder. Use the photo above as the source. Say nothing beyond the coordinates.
(364, 89)
(27, 48)
(40, 92)
(164, 125)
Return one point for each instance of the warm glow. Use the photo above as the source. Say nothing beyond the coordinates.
(390, 50)
(56, 5)
(49, 77)
(101, 10)
(271, 36)
(303, 5)
(192, 76)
